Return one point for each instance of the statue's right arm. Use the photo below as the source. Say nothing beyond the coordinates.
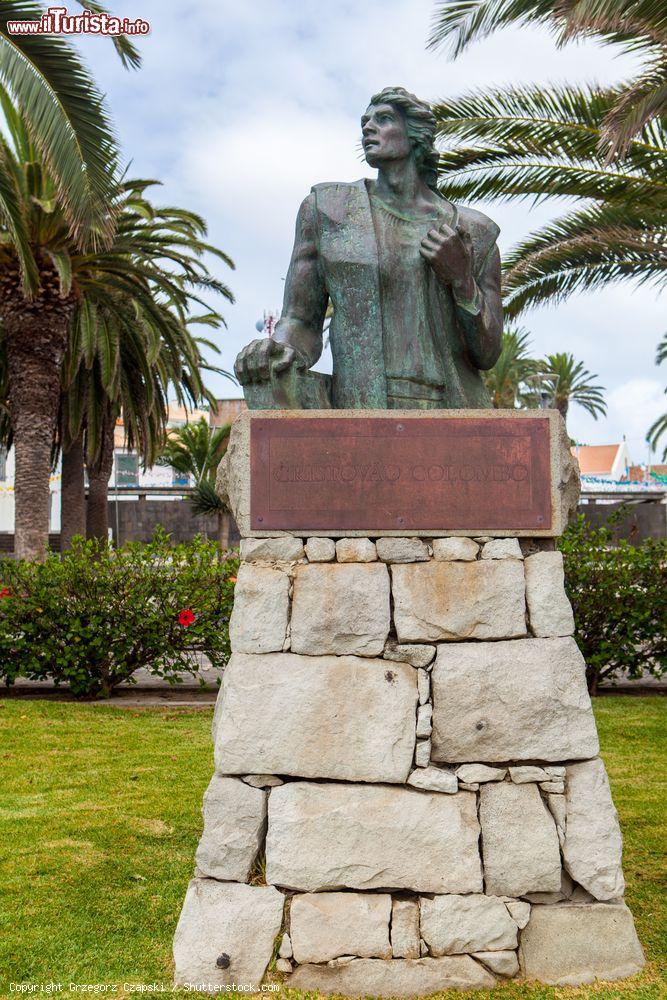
(297, 338)
(306, 297)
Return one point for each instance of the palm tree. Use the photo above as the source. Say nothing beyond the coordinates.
(131, 343)
(633, 25)
(505, 380)
(153, 256)
(196, 450)
(532, 143)
(659, 428)
(92, 405)
(58, 190)
(573, 384)
(43, 79)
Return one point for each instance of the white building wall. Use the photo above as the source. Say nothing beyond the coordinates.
(156, 476)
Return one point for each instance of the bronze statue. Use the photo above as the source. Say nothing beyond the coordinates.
(413, 279)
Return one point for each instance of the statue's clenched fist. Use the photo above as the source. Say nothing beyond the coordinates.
(263, 358)
(449, 252)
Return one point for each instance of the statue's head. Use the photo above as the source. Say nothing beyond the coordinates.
(397, 124)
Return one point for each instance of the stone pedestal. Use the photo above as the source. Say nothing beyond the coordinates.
(407, 793)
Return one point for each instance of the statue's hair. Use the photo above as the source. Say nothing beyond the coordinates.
(421, 123)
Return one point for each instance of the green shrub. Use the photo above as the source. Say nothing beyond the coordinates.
(95, 615)
(619, 597)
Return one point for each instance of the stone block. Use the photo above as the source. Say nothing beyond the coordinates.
(218, 918)
(284, 965)
(260, 780)
(285, 548)
(553, 786)
(502, 963)
(524, 773)
(453, 925)
(422, 753)
(461, 549)
(558, 810)
(403, 977)
(424, 716)
(593, 847)
(556, 770)
(549, 610)
(502, 548)
(520, 700)
(333, 836)
(571, 944)
(416, 655)
(459, 600)
(260, 615)
(519, 841)
(423, 686)
(405, 928)
(356, 550)
(402, 550)
(519, 911)
(434, 779)
(326, 925)
(339, 717)
(320, 549)
(564, 891)
(340, 609)
(477, 773)
(285, 950)
(234, 822)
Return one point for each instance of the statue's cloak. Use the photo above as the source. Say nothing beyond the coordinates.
(348, 257)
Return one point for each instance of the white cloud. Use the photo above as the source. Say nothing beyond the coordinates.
(633, 406)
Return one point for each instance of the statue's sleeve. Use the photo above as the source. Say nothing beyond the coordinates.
(306, 297)
(481, 318)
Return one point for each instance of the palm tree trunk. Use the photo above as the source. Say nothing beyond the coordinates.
(223, 530)
(35, 336)
(73, 497)
(99, 474)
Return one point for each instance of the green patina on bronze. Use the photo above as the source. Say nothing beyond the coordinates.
(414, 282)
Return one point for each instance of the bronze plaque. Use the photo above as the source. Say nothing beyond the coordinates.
(436, 473)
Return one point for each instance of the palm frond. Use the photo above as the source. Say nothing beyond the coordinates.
(574, 384)
(515, 364)
(661, 354)
(582, 251)
(67, 120)
(13, 217)
(656, 431)
(205, 500)
(634, 25)
(127, 52)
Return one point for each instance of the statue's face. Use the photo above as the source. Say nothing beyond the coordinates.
(384, 134)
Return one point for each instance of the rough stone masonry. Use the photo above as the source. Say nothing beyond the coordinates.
(407, 794)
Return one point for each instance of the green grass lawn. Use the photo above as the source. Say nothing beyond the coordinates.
(100, 818)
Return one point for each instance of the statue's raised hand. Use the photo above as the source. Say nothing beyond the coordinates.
(449, 252)
(262, 359)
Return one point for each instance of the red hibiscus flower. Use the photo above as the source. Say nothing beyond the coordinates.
(5, 592)
(186, 617)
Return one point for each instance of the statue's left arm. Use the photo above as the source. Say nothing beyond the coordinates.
(472, 271)
(481, 314)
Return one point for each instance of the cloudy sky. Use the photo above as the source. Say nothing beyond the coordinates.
(241, 106)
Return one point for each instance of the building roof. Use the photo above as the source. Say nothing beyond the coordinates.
(596, 459)
(638, 472)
